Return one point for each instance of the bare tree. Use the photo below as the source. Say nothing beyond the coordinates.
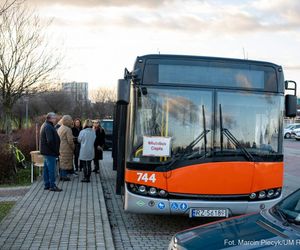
(57, 101)
(104, 100)
(25, 61)
(6, 5)
(103, 95)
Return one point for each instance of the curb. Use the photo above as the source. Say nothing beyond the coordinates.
(15, 188)
(109, 243)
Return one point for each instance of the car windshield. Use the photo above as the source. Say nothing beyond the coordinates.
(250, 124)
(289, 127)
(290, 207)
(108, 126)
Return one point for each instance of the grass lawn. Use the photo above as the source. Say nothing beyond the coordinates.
(5, 208)
(22, 179)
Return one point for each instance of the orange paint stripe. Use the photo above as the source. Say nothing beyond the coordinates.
(213, 178)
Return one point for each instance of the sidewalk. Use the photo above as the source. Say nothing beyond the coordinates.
(13, 193)
(74, 218)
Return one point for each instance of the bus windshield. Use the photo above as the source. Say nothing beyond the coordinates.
(184, 115)
(252, 118)
(175, 113)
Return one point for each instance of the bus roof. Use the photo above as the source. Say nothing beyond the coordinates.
(204, 58)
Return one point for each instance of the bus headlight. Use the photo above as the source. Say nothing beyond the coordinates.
(152, 191)
(146, 190)
(262, 195)
(142, 189)
(270, 193)
(163, 193)
(277, 192)
(267, 194)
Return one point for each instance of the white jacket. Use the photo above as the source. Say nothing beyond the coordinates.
(86, 139)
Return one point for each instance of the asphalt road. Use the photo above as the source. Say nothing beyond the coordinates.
(132, 231)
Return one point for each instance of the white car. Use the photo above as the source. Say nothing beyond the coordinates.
(296, 134)
(287, 132)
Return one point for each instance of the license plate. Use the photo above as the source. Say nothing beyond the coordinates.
(208, 212)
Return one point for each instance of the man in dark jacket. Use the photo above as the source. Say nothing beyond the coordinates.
(49, 147)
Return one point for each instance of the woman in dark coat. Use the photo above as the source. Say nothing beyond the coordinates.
(76, 130)
(98, 145)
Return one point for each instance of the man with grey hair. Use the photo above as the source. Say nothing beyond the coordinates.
(49, 147)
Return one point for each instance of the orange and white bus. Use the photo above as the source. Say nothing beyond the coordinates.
(200, 136)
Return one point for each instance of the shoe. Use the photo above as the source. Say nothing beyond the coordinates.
(75, 174)
(46, 188)
(65, 179)
(85, 180)
(55, 189)
(96, 172)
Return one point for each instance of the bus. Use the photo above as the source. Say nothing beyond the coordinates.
(200, 136)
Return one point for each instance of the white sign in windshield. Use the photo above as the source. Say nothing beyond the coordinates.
(156, 146)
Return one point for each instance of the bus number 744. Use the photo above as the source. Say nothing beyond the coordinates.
(144, 177)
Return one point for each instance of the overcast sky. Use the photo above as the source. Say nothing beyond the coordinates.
(101, 37)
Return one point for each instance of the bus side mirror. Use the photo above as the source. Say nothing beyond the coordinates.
(290, 105)
(123, 91)
(291, 100)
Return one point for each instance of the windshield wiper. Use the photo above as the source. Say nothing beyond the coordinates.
(282, 215)
(188, 148)
(232, 138)
(199, 137)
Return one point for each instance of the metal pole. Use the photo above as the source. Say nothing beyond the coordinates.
(26, 112)
(37, 136)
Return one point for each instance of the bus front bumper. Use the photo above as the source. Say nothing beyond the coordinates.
(134, 203)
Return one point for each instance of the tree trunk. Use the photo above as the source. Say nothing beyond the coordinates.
(8, 120)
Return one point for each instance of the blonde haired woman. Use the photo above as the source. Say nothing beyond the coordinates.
(86, 139)
(66, 147)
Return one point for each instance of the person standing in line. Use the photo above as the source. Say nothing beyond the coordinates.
(49, 148)
(58, 124)
(98, 145)
(87, 138)
(66, 147)
(76, 130)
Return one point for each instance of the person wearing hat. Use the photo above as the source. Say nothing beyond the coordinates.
(87, 138)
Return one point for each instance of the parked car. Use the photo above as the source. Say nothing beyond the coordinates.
(287, 132)
(297, 134)
(107, 124)
(274, 228)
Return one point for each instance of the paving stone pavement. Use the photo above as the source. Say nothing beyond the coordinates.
(13, 193)
(136, 231)
(75, 218)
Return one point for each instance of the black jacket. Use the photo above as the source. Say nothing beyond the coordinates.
(75, 132)
(49, 140)
(100, 141)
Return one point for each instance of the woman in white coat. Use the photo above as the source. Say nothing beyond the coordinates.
(86, 139)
